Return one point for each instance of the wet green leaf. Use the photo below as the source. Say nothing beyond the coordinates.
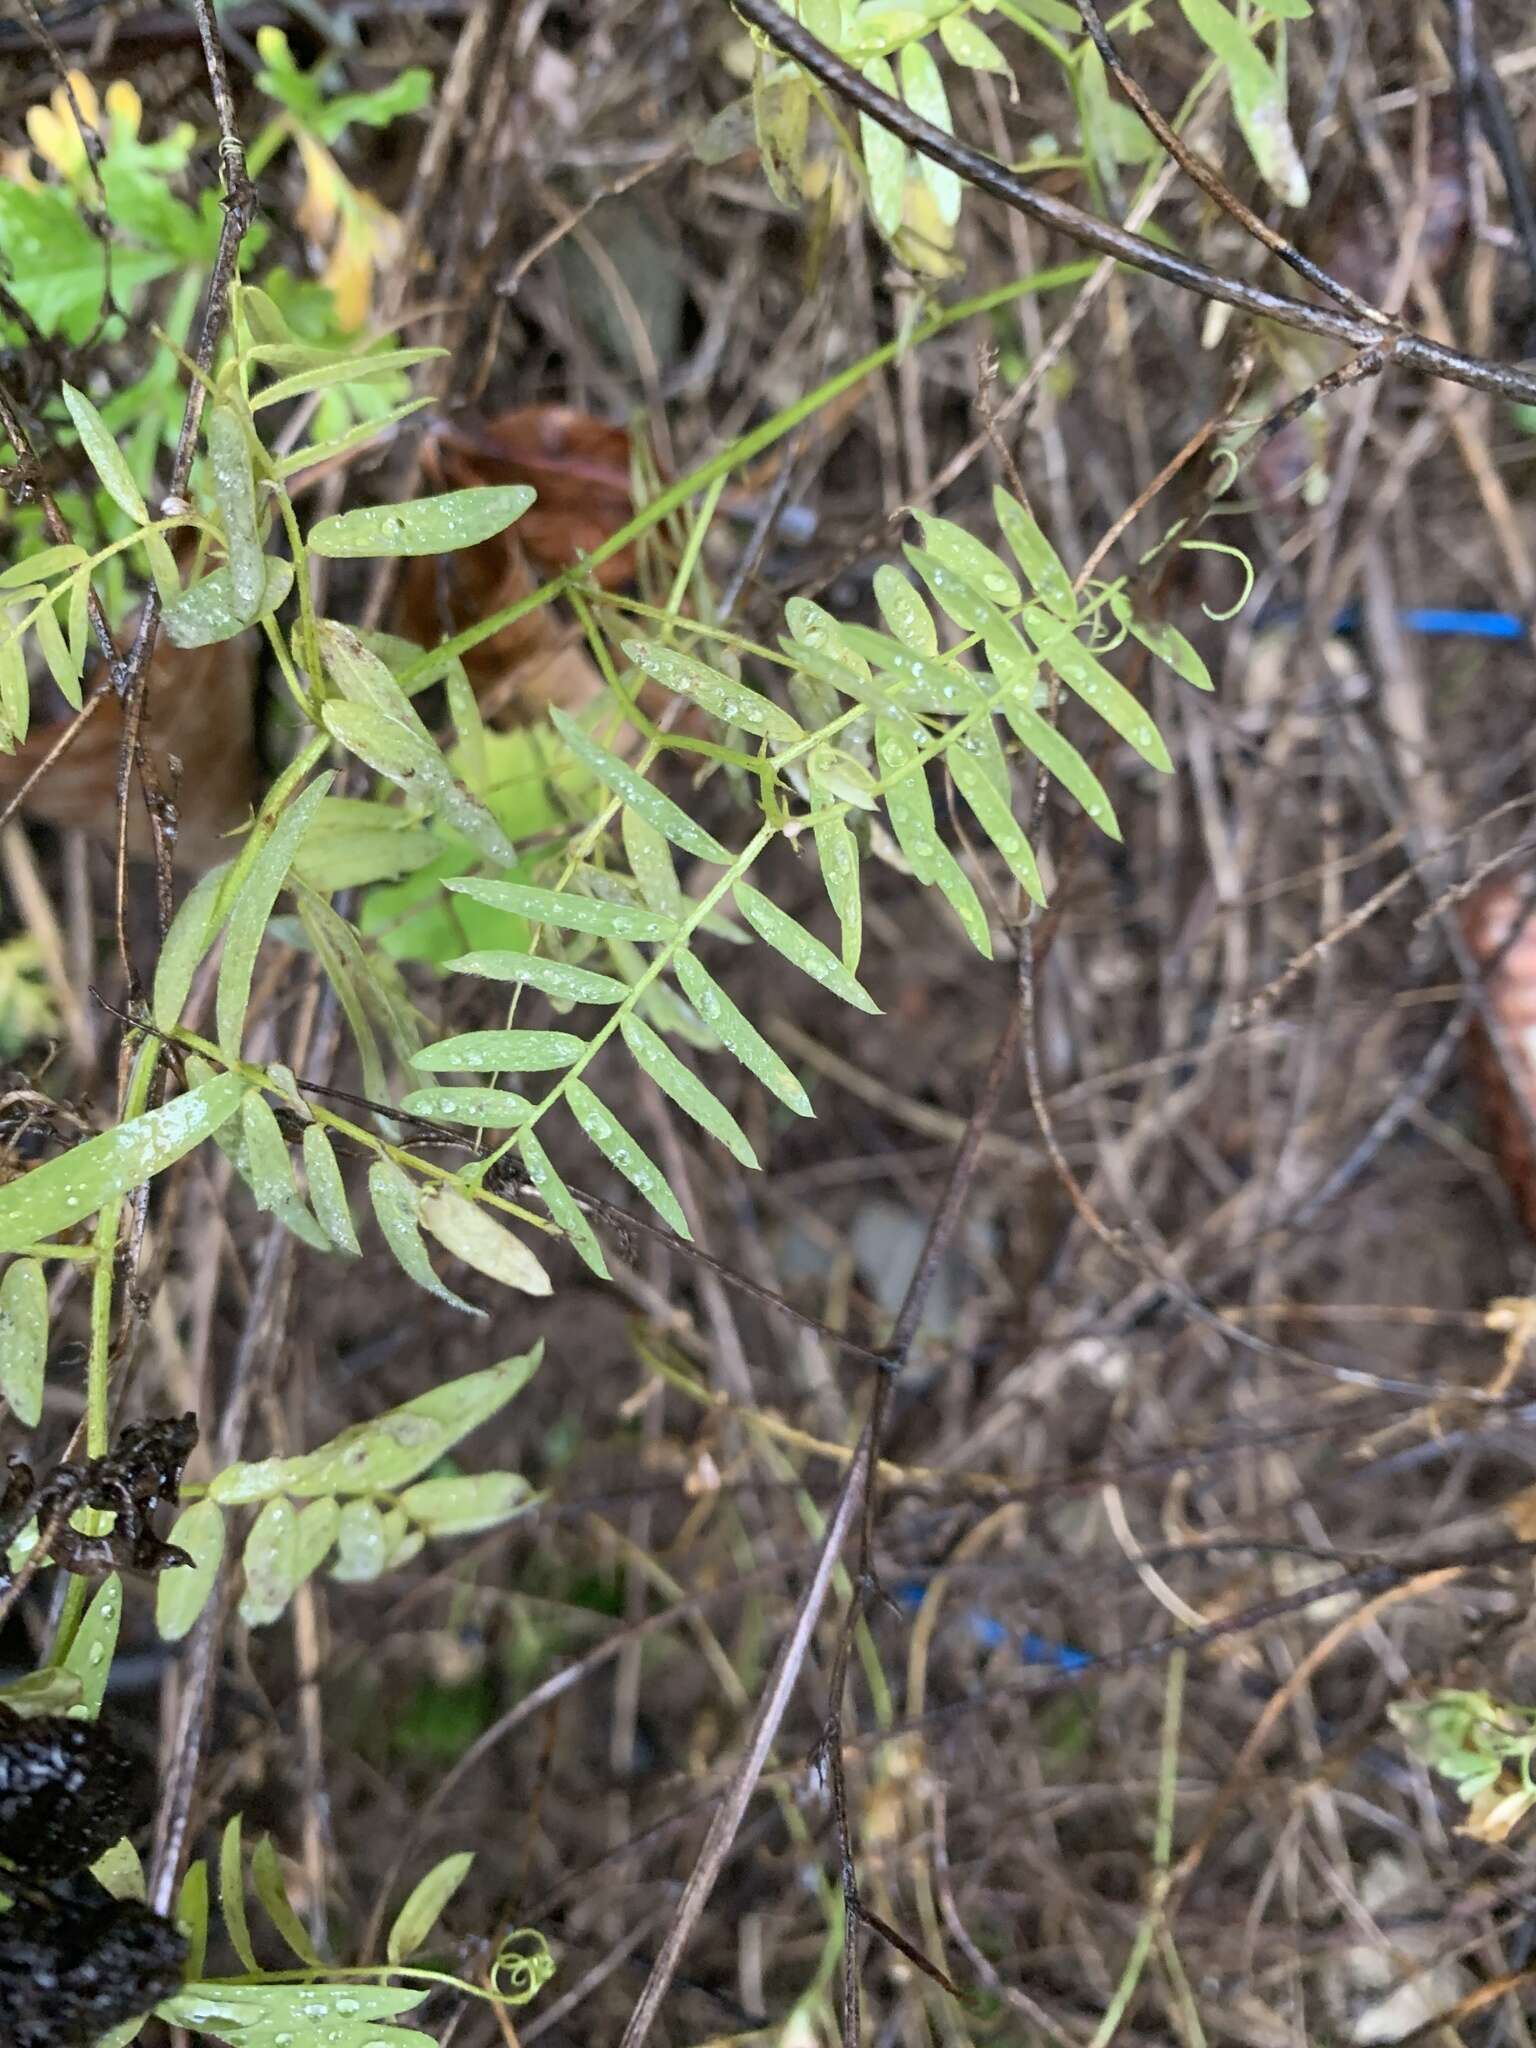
(801, 948)
(232, 1894)
(465, 1506)
(362, 1544)
(971, 46)
(739, 1035)
(183, 1591)
(397, 750)
(252, 910)
(210, 611)
(837, 849)
(1084, 674)
(923, 90)
(396, 1200)
(24, 1339)
(655, 1057)
(898, 739)
(327, 1191)
(971, 560)
(885, 155)
(106, 458)
(427, 526)
(1258, 98)
(560, 1202)
(1043, 567)
(499, 1052)
(981, 776)
(271, 1561)
(234, 488)
(733, 703)
(89, 1656)
(481, 1240)
(61, 1191)
(560, 907)
(267, 1884)
(193, 931)
(904, 611)
(497, 1109)
(422, 1910)
(555, 978)
(633, 789)
(347, 368)
(62, 665)
(624, 1154)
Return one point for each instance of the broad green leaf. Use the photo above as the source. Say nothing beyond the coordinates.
(192, 1915)
(655, 1057)
(651, 864)
(970, 559)
(739, 1035)
(232, 1894)
(473, 1234)
(387, 1453)
(555, 978)
(396, 750)
(1258, 98)
(885, 156)
(495, 1108)
(362, 1544)
(801, 948)
(1167, 643)
(347, 368)
(422, 1910)
(252, 909)
(395, 1202)
(62, 665)
(234, 487)
(318, 1524)
(24, 1339)
(427, 526)
(327, 1191)
(837, 849)
(560, 1202)
(1042, 566)
(972, 46)
(41, 565)
(271, 1561)
(58, 1193)
(633, 790)
(624, 1154)
(210, 611)
(898, 739)
(923, 90)
(981, 775)
(732, 703)
(500, 1052)
(1084, 674)
(97, 440)
(560, 907)
(192, 933)
(904, 611)
(313, 2014)
(89, 1656)
(183, 1591)
(465, 1506)
(267, 1884)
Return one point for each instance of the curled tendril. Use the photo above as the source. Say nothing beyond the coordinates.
(1221, 547)
(523, 1966)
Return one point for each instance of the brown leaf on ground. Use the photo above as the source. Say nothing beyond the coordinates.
(201, 742)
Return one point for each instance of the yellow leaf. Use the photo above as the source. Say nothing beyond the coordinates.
(125, 109)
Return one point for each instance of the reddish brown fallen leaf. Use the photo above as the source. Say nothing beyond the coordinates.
(1501, 930)
(199, 717)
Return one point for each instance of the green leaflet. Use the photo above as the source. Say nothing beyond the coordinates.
(349, 368)
(1042, 566)
(191, 1915)
(838, 852)
(193, 930)
(251, 910)
(429, 526)
(477, 1237)
(970, 559)
(655, 1057)
(269, 1171)
(347, 970)
(781, 110)
(923, 90)
(922, 683)
(399, 752)
(815, 628)
(1087, 677)
(623, 1153)
(560, 1202)
(342, 2015)
(634, 791)
(362, 1544)
(969, 606)
(499, 1052)
(841, 778)
(1166, 642)
(39, 566)
(740, 1036)
(97, 440)
(904, 611)
(89, 1656)
(422, 1910)
(210, 611)
(495, 1108)
(232, 1894)
(651, 864)
(552, 977)
(387, 1453)
(1258, 98)
(981, 776)
(15, 693)
(732, 703)
(61, 1191)
(234, 487)
(885, 156)
(972, 46)
(463, 1507)
(327, 1191)
(62, 665)
(183, 1591)
(267, 1884)
(24, 1339)
(560, 907)
(801, 948)
(898, 739)
(318, 1524)
(363, 430)
(363, 677)
(395, 1198)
